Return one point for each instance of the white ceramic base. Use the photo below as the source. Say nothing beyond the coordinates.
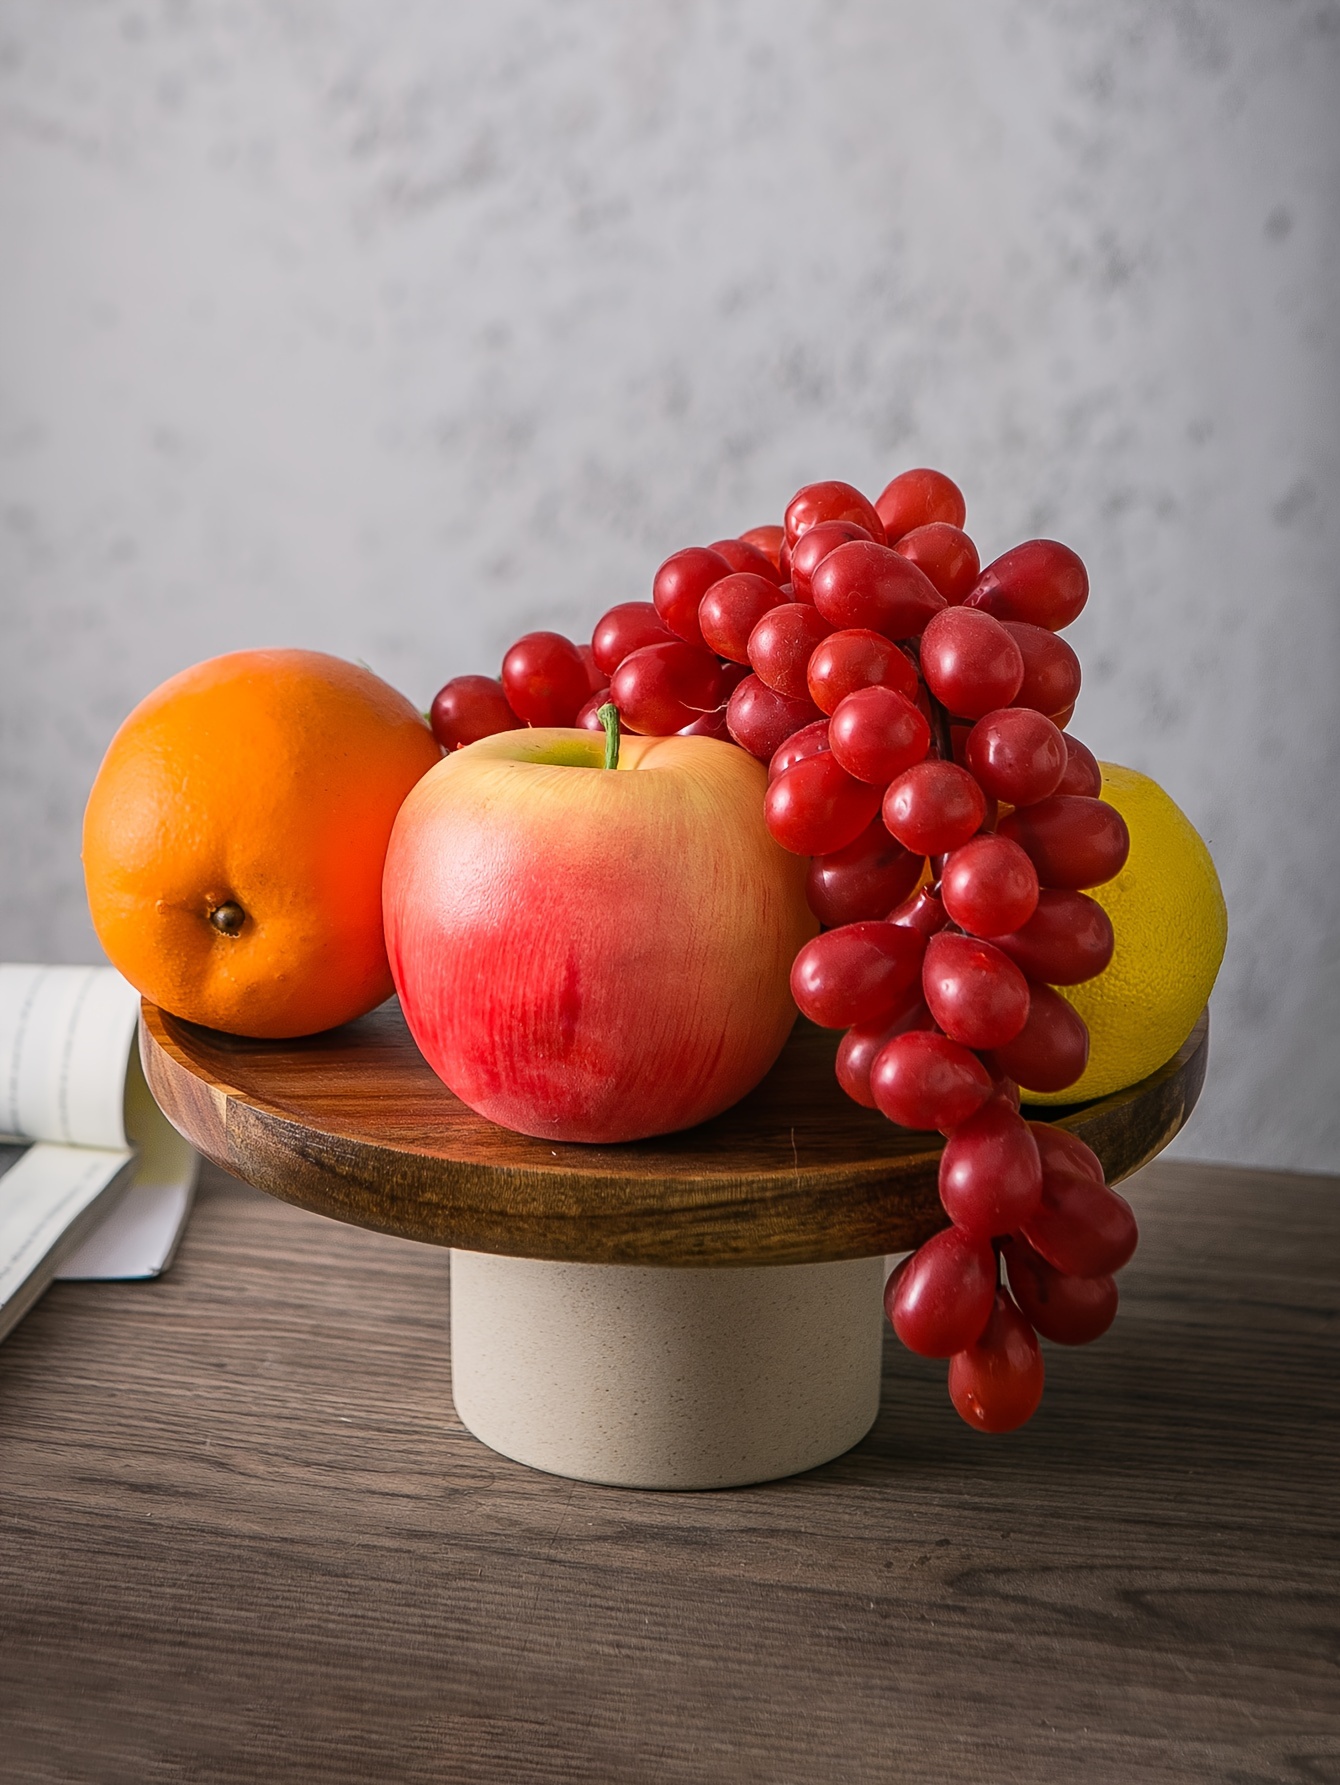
(657, 1378)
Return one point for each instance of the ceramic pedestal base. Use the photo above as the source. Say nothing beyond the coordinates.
(661, 1378)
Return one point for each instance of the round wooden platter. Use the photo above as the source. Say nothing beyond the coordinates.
(355, 1125)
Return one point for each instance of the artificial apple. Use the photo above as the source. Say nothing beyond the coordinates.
(593, 954)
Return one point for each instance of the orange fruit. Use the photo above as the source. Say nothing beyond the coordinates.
(235, 836)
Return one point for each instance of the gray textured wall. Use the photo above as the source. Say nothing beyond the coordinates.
(399, 329)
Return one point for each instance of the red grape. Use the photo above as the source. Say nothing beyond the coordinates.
(940, 1298)
(832, 501)
(857, 658)
(1065, 1156)
(922, 912)
(867, 585)
(925, 1081)
(625, 629)
(1040, 581)
(781, 644)
(810, 740)
(469, 708)
(989, 887)
(996, 1384)
(861, 1046)
(1082, 1228)
(1016, 755)
(946, 554)
(680, 584)
(864, 880)
(876, 733)
(976, 994)
(1051, 669)
(1068, 1310)
(761, 721)
(662, 688)
(545, 679)
(1062, 719)
(596, 678)
(933, 807)
(731, 609)
(813, 547)
(816, 807)
(1052, 1049)
(1067, 940)
(744, 556)
(1082, 774)
(1074, 841)
(861, 973)
(971, 664)
(990, 1173)
(586, 720)
(917, 499)
(769, 540)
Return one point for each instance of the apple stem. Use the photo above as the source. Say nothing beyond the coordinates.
(608, 716)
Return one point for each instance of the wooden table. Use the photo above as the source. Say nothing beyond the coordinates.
(245, 1539)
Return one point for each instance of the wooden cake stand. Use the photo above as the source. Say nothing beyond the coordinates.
(700, 1310)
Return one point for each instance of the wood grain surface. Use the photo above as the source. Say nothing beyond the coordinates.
(245, 1539)
(354, 1124)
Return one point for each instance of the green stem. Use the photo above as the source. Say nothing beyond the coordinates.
(608, 716)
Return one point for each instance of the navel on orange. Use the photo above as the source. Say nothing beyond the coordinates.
(235, 836)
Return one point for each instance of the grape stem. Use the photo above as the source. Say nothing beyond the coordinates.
(608, 716)
(943, 737)
(944, 742)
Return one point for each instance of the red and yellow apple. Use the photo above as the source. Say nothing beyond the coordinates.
(594, 954)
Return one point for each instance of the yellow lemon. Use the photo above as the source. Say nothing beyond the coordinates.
(1170, 923)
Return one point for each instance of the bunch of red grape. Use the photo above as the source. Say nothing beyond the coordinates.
(911, 708)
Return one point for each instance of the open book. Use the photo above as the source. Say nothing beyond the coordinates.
(94, 1181)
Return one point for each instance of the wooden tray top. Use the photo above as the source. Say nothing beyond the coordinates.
(355, 1125)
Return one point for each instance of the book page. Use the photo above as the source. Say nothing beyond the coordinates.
(48, 1198)
(140, 1235)
(65, 1037)
(105, 1191)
